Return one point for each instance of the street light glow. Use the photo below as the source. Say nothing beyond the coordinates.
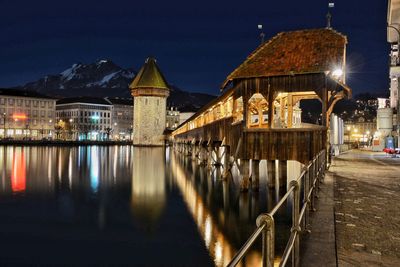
(337, 73)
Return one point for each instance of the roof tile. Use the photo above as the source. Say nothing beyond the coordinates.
(296, 52)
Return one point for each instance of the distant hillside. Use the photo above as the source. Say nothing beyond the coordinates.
(105, 78)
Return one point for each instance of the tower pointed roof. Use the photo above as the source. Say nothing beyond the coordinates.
(149, 76)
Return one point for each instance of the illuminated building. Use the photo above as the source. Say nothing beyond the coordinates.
(122, 118)
(84, 118)
(172, 118)
(25, 114)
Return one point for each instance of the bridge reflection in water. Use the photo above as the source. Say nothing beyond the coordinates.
(148, 198)
(224, 216)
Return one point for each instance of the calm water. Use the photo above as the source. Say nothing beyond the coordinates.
(124, 205)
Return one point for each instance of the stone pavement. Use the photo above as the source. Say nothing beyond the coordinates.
(364, 203)
(319, 247)
(367, 208)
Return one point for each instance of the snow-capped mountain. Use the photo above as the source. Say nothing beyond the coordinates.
(105, 78)
(101, 74)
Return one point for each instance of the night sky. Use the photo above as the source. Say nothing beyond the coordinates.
(197, 43)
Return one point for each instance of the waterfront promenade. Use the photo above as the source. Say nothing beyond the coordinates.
(358, 212)
(367, 197)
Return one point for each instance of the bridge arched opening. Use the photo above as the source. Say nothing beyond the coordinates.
(258, 111)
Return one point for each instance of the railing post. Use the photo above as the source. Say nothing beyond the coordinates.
(295, 222)
(312, 180)
(306, 199)
(268, 239)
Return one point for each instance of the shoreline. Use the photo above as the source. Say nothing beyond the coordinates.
(62, 143)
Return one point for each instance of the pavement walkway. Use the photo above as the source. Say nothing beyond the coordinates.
(363, 217)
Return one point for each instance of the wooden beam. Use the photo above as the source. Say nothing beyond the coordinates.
(290, 111)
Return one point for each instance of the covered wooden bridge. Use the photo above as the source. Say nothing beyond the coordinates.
(258, 115)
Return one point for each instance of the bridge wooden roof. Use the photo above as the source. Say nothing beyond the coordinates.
(295, 52)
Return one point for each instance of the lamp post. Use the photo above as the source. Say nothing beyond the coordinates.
(71, 128)
(116, 131)
(398, 96)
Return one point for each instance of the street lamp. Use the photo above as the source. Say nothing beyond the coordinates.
(398, 96)
(71, 128)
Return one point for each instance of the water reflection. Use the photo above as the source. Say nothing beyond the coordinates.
(18, 175)
(148, 184)
(122, 199)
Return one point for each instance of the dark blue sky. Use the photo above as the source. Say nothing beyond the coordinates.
(197, 43)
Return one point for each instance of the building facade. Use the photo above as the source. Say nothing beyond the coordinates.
(84, 118)
(360, 131)
(122, 118)
(393, 37)
(26, 115)
(150, 91)
(172, 119)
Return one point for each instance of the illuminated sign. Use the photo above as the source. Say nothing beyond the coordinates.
(95, 117)
(17, 116)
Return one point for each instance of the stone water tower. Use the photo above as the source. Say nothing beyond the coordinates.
(150, 91)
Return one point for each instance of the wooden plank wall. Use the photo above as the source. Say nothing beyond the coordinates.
(301, 145)
(283, 144)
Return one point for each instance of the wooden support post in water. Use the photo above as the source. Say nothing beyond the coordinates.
(271, 169)
(217, 151)
(209, 156)
(202, 154)
(188, 149)
(255, 174)
(194, 151)
(227, 161)
(244, 184)
(282, 173)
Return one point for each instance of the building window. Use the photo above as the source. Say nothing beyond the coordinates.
(11, 102)
(2, 102)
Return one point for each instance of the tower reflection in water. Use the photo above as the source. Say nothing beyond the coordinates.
(148, 198)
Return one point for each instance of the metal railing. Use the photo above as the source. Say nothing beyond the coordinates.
(308, 180)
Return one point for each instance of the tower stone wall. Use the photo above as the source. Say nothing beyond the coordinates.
(149, 120)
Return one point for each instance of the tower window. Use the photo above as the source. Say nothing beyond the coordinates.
(146, 101)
